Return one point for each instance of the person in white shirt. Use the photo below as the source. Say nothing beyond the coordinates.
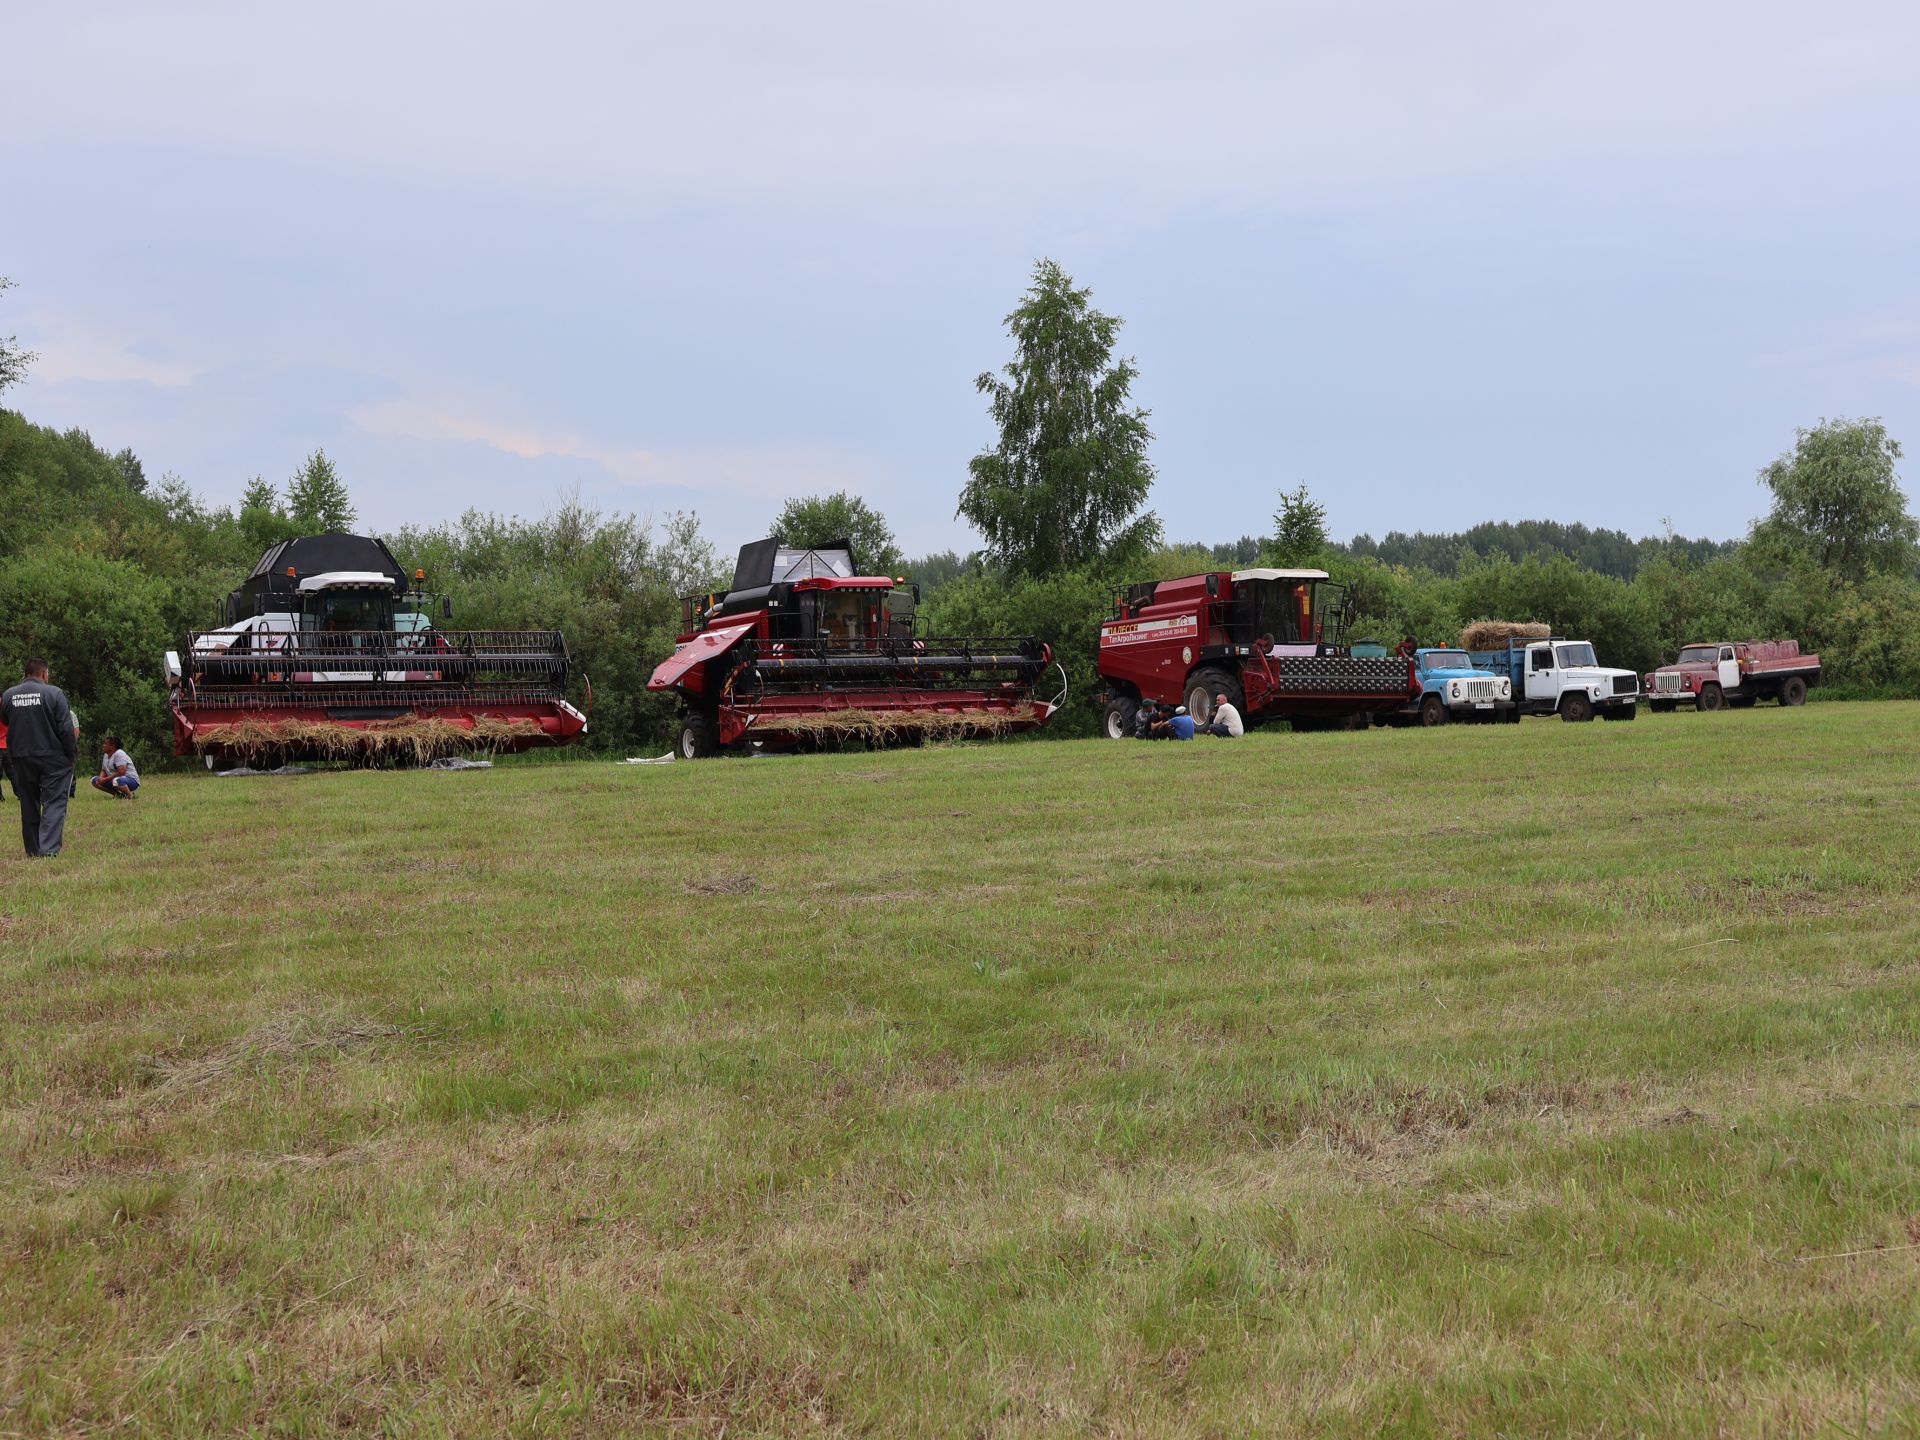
(117, 776)
(1227, 723)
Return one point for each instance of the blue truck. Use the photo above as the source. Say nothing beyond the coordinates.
(1447, 684)
(1551, 675)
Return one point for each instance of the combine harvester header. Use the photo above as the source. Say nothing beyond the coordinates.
(329, 652)
(804, 648)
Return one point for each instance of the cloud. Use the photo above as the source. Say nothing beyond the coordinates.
(70, 352)
(767, 473)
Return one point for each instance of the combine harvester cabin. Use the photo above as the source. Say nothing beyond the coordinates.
(1269, 639)
(329, 652)
(804, 649)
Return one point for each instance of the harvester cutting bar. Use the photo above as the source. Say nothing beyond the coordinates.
(921, 661)
(332, 695)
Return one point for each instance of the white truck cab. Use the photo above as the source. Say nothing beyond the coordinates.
(1563, 676)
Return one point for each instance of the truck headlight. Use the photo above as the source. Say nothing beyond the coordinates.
(1454, 689)
(1506, 689)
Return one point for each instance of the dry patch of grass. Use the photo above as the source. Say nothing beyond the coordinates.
(288, 1037)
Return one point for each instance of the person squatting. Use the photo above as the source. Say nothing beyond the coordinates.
(1153, 721)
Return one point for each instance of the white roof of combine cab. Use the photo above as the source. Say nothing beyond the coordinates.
(345, 579)
(1240, 575)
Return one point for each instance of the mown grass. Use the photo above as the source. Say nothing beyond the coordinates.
(1518, 1080)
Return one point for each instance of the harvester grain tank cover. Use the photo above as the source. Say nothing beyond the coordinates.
(1242, 575)
(702, 648)
(316, 554)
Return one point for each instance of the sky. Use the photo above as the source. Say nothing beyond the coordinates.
(1442, 264)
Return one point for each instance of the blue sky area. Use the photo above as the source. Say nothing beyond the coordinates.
(1442, 263)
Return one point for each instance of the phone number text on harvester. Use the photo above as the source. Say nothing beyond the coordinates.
(1140, 632)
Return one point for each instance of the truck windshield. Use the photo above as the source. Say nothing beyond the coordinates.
(1448, 660)
(1698, 655)
(1571, 655)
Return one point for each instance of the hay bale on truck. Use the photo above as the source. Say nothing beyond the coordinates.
(328, 651)
(1270, 640)
(1494, 634)
(804, 649)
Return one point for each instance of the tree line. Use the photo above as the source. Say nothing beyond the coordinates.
(102, 571)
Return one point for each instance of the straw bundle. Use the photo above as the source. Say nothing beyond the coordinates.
(261, 743)
(1494, 634)
(885, 726)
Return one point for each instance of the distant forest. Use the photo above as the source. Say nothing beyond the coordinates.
(1612, 553)
(1605, 552)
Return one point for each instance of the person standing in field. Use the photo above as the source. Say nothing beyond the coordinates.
(40, 751)
(5, 773)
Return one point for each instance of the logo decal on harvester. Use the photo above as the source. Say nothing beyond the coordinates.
(1141, 632)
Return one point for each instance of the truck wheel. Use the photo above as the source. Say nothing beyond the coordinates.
(1712, 697)
(699, 738)
(1203, 686)
(1120, 713)
(1794, 691)
(1433, 711)
(1576, 707)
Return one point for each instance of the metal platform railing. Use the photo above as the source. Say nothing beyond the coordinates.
(382, 658)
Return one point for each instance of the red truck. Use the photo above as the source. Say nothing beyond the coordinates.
(1730, 672)
(1271, 640)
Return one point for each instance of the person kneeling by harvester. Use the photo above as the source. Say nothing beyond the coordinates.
(1227, 723)
(117, 776)
(1180, 727)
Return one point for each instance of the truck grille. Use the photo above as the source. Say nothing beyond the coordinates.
(1625, 685)
(1666, 683)
(1478, 689)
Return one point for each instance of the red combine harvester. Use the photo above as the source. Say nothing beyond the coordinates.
(1728, 672)
(329, 652)
(805, 648)
(1271, 640)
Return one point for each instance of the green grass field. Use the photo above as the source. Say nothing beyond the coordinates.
(1527, 1080)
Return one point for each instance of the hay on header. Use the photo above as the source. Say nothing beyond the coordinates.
(1494, 634)
(884, 726)
(261, 743)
